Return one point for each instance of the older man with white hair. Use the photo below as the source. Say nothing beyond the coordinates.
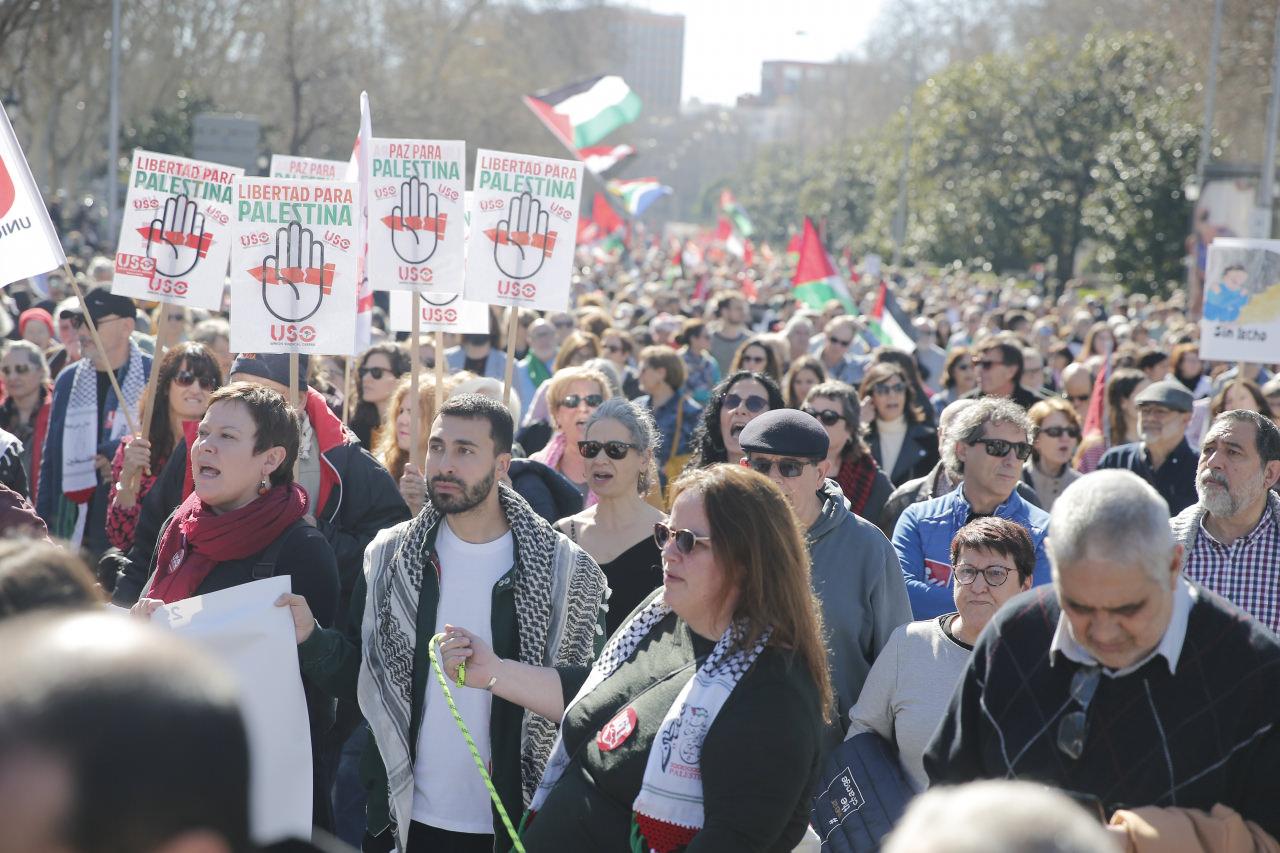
(1124, 683)
(1231, 536)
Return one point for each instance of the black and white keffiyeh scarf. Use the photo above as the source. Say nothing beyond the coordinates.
(559, 592)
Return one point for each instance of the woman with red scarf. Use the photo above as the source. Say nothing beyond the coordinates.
(837, 408)
(247, 520)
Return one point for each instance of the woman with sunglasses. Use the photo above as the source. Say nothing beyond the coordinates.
(617, 531)
(912, 680)
(700, 725)
(1055, 436)
(758, 356)
(26, 406)
(865, 486)
(904, 444)
(573, 394)
(734, 403)
(958, 379)
(188, 374)
(374, 380)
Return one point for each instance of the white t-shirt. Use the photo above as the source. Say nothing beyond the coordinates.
(448, 792)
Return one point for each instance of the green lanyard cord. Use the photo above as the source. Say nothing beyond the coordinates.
(471, 744)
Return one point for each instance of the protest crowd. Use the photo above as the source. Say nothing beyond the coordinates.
(739, 551)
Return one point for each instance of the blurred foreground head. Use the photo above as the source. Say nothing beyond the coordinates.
(117, 738)
(1019, 817)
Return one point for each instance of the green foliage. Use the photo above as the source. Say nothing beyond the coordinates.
(168, 129)
(1017, 158)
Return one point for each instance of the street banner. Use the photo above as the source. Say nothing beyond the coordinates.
(440, 312)
(1241, 319)
(175, 231)
(524, 217)
(254, 639)
(311, 168)
(28, 243)
(293, 266)
(416, 212)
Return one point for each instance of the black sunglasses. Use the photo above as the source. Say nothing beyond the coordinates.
(612, 449)
(755, 403)
(186, 377)
(1079, 398)
(686, 540)
(375, 372)
(788, 468)
(883, 388)
(839, 342)
(987, 365)
(572, 401)
(827, 417)
(1060, 431)
(998, 447)
(1074, 727)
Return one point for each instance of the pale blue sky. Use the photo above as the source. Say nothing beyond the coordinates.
(726, 40)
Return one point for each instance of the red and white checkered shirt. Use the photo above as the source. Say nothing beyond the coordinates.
(1246, 572)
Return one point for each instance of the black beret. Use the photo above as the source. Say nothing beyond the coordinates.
(102, 303)
(786, 432)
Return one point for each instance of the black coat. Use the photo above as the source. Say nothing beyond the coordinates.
(918, 455)
(364, 501)
(551, 494)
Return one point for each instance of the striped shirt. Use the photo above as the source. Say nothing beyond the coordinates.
(1246, 572)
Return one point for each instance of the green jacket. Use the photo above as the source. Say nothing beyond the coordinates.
(332, 659)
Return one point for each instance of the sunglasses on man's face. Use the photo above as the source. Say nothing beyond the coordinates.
(572, 401)
(15, 369)
(686, 540)
(839, 342)
(612, 449)
(827, 417)
(788, 468)
(375, 372)
(1060, 431)
(754, 402)
(987, 365)
(185, 378)
(999, 448)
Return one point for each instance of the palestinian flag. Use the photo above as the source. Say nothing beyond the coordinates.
(582, 114)
(793, 249)
(602, 215)
(889, 323)
(730, 208)
(816, 280)
(638, 194)
(601, 158)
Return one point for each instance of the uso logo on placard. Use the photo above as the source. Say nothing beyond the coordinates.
(291, 333)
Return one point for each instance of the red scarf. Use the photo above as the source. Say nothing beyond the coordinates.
(197, 539)
(856, 478)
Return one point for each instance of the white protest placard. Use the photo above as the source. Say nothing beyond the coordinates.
(524, 219)
(28, 244)
(293, 266)
(307, 168)
(416, 213)
(1241, 319)
(255, 640)
(175, 231)
(445, 312)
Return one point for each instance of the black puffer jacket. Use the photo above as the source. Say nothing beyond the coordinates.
(551, 494)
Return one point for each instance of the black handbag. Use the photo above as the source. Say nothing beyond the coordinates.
(862, 792)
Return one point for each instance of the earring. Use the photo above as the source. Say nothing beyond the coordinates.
(264, 486)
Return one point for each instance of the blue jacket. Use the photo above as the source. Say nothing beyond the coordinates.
(495, 364)
(923, 537)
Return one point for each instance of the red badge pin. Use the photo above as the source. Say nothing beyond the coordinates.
(617, 730)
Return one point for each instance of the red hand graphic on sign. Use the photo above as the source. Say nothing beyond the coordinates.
(7, 191)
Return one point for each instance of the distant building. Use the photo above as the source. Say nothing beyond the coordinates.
(783, 80)
(651, 55)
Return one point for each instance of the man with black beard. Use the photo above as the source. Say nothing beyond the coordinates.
(476, 555)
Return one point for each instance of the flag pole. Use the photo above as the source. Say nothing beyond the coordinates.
(346, 389)
(102, 353)
(512, 324)
(415, 359)
(293, 380)
(439, 368)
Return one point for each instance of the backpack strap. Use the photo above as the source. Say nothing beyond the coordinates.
(265, 566)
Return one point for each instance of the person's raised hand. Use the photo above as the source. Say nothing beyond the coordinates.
(137, 458)
(144, 607)
(413, 488)
(303, 621)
